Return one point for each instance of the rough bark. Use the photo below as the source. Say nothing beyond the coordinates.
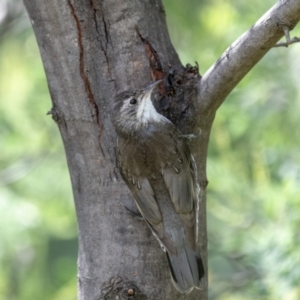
(91, 50)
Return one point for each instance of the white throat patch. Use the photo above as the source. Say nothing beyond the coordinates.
(147, 112)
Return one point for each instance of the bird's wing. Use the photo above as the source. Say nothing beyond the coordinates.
(179, 177)
(181, 188)
(138, 183)
(144, 197)
(148, 207)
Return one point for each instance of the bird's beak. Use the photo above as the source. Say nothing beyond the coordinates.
(148, 90)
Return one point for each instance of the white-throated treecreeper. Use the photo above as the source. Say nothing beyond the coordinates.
(157, 166)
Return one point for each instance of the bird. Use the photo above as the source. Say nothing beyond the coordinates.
(156, 164)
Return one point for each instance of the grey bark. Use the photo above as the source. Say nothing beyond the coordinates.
(93, 49)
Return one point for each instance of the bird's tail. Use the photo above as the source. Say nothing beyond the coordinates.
(187, 270)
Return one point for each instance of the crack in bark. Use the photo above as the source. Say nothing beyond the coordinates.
(157, 71)
(105, 29)
(107, 41)
(92, 4)
(83, 74)
(94, 16)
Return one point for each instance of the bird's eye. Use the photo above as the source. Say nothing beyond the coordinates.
(133, 101)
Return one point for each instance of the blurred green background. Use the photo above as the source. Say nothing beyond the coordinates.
(253, 163)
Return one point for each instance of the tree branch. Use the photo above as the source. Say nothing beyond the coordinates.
(244, 53)
(294, 40)
(288, 40)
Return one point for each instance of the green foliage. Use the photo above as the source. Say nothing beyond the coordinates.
(253, 165)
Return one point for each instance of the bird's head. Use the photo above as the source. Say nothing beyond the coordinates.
(132, 110)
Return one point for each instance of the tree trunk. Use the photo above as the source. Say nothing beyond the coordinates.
(92, 50)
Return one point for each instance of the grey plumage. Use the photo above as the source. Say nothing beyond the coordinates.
(157, 166)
